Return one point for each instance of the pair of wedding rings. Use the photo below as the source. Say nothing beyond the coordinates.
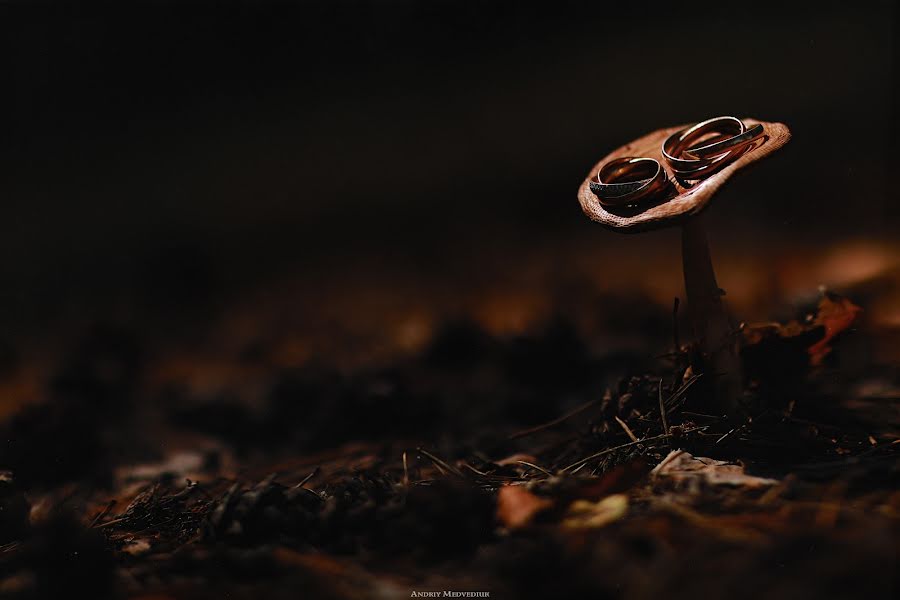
(693, 153)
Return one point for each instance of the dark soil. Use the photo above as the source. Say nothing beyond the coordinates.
(374, 482)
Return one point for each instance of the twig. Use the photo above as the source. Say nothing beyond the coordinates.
(705, 416)
(662, 404)
(307, 478)
(627, 429)
(474, 470)
(534, 466)
(113, 522)
(102, 513)
(10, 546)
(580, 467)
(739, 427)
(313, 492)
(730, 431)
(405, 471)
(439, 463)
(489, 476)
(588, 459)
(554, 422)
(681, 391)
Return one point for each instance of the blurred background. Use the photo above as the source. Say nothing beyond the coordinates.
(333, 180)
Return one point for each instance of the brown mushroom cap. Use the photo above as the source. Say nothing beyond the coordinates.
(683, 201)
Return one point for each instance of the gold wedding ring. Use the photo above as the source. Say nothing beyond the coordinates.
(702, 149)
(629, 180)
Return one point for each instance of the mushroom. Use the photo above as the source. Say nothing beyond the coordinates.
(682, 206)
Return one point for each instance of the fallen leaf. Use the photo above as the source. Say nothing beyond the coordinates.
(681, 467)
(584, 514)
(517, 507)
(618, 479)
(180, 465)
(757, 333)
(836, 314)
(793, 342)
(136, 547)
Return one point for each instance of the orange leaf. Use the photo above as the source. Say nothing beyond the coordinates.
(516, 506)
(836, 314)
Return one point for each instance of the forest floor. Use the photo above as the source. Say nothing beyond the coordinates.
(546, 464)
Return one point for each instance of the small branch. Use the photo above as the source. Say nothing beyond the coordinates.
(627, 429)
(681, 391)
(662, 409)
(702, 415)
(474, 470)
(534, 466)
(588, 459)
(439, 463)
(307, 478)
(111, 523)
(102, 513)
(405, 471)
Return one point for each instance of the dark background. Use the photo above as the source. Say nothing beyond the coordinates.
(169, 154)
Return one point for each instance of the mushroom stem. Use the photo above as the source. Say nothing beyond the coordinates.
(711, 325)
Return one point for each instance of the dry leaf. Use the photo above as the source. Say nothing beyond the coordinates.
(811, 338)
(681, 467)
(618, 479)
(517, 507)
(583, 514)
(136, 547)
(836, 314)
(756, 333)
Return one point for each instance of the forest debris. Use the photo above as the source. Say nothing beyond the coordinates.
(584, 514)
(836, 314)
(441, 465)
(517, 507)
(813, 337)
(618, 479)
(681, 467)
(577, 465)
(136, 547)
(515, 459)
(180, 464)
(174, 515)
(627, 429)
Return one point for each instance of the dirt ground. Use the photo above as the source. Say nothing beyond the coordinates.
(546, 438)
